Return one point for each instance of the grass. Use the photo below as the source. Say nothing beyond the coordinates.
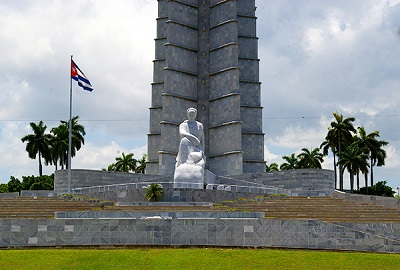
(193, 258)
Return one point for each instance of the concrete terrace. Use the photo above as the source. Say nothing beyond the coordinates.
(348, 223)
(327, 209)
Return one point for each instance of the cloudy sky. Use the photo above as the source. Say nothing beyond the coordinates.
(317, 57)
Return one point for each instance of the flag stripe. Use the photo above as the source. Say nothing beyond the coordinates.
(79, 76)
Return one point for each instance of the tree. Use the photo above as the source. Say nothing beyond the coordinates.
(291, 163)
(137, 166)
(77, 136)
(153, 192)
(125, 163)
(110, 168)
(339, 137)
(310, 159)
(3, 188)
(14, 185)
(141, 168)
(378, 158)
(38, 143)
(59, 145)
(27, 182)
(329, 144)
(379, 189)
(273, 167)
(44, 182)
(353, 159)
(368, 143)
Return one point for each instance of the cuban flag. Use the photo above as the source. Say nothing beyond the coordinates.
(80, 77)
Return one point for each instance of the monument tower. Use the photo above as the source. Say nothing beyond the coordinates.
(206, 57)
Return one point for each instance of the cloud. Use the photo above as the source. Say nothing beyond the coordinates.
(97, 157)
(270, 157)
(112, 42)
(318, 58)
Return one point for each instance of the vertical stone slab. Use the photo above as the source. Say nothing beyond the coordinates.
(203, 70)
(225, 156)
(154, 136)
(251, 110)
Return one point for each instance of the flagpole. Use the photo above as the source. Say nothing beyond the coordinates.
(70, 132)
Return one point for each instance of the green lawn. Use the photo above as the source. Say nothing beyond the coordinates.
(193, 258)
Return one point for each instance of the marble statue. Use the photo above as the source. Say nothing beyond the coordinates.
(190, 161)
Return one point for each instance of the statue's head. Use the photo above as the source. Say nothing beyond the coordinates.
(191, 114)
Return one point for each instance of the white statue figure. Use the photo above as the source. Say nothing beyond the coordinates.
(190, 161)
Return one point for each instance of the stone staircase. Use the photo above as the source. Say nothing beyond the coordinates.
(44, 207)
(166, 208)
(41, 207)
(326, 209)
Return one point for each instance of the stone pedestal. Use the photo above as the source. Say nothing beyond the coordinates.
(189, 176)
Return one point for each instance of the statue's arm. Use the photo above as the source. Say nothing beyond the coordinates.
(184, 132)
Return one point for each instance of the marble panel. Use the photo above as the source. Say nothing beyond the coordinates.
(181, 59)
(182, 13)
(247, 26)
(224, 83)
(223, 12)
(182, 35)
(223, 34)
(246, 7)
(223, 58)
(225, 110)
(249, 70)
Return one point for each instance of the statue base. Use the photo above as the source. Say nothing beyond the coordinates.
(189, 176)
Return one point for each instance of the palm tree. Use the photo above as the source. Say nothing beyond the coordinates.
(38, 143)
(378, 158)
(368, 143)
(354, 160)
(60, 141)
(340, 136)
(291, 163)
(153, 192)
(327, 145)
(142, 165)
(364, 170)
(273, 167)
(77, 135)
(59, 145)
(125, 163)
(111, 167)
(360, 142)
(310, 159)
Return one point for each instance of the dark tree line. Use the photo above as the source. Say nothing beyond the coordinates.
(357, 151)
(353, 150)
(127, 163)
(44, 182)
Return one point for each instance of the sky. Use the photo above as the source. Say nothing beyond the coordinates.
(317, 57)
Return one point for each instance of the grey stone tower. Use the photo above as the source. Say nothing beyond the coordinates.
(207, 58)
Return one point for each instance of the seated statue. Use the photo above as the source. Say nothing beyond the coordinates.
(190, 161)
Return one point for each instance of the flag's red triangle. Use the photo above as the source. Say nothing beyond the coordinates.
(74, 71)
